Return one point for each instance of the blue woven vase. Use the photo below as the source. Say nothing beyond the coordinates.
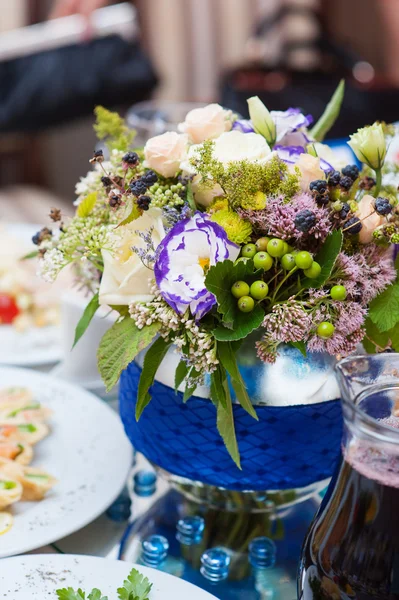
(289, 447)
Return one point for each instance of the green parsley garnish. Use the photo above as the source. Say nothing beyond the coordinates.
(135, 587)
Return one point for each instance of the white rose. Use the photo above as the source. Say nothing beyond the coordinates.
(309, 167)
(125, 279)
(164, 153)
(206, 123)
(230, 146)
(369, 218)
(369, 145)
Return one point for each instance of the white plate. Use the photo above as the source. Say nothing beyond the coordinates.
(87, 451)
(37, 346)
(38, 577)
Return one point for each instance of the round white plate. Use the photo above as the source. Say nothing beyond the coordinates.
(86, 450)
(37, 346)
(37, 577)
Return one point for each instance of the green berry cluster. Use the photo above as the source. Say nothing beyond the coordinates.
(246, 295)
(167, 195)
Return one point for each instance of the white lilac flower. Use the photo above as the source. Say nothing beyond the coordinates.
(51, 264)
(184, 255)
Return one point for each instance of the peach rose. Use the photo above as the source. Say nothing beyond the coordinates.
(369, 218)
(206, 123)
(310, 170)
(164, 153)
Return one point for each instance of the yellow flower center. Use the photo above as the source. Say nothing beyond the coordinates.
(204, 263)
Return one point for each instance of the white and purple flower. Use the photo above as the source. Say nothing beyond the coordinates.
(291, 127)
(184, 255)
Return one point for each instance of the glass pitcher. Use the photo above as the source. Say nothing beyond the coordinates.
(352, 548)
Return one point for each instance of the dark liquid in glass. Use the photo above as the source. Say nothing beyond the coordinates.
(352, 548)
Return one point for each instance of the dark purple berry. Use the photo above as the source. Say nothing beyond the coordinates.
(382, 206)
(149, 178)
(98, 156)
(346, 183)
(322, 199)
(138, 187)
(343, 213)
(351, 171)
(106, 181)
(367, 183)
(144, 202)
(353, 226)
(41, 235)
(318, 185)
(131, 159)
(305, 220)
(115, 201)
(334, 178)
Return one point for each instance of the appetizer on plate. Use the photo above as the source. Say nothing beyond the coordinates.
(22, 424)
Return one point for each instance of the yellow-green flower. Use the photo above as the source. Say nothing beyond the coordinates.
(238, 230)
(369, 145)
(255, 202)
(218, 204)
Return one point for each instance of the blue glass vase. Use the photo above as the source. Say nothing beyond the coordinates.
(293, 446)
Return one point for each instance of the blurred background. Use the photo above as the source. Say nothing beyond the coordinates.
(58, 59)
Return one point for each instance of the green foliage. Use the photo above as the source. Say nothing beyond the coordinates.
(119, 346)
(111, 127)
(219, 279)
(242, 180)
(86, 318)
(220, 396)
(181, 374)
(87, 205)
(301, 346)
(228, 360)
(326, 258)
(131, 214)
(330, 114)
(384, 310)
(135, 587)
(30, 255)
(190, 197)
(70, 594)
(153, 358)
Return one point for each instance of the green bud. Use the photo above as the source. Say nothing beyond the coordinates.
(262, 120)
(337, 206)
(353, 206)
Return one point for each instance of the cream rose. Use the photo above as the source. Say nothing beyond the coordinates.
(164, 153)
(309, 167)
(369, 219)
(206, 123)
(125, 279)
(229, 147)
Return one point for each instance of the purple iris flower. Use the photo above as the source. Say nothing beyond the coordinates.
(184, 256)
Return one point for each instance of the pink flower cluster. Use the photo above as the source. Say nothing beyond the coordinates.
(278, 218)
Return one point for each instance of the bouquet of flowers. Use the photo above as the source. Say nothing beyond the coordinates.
(229, 229)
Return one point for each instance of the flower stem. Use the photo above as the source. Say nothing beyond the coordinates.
(283, 281)
(378, 182)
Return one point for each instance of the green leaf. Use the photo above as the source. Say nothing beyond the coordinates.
(119, 346)
(217, 387)
(70, 594)
(228, 359)
(86, 318)
(181, 374)
(301, 346)
(133, 214)
(243, 324)
(221, 277)
(188, 392)
(30, 255)
(135, 587)
(384, 310)
(225, 425)
(190, 197)
(326, 258)
(374, 341)
(87, 205)
(330, 114)
(96, 595)
(153, 358)
(394, 337)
